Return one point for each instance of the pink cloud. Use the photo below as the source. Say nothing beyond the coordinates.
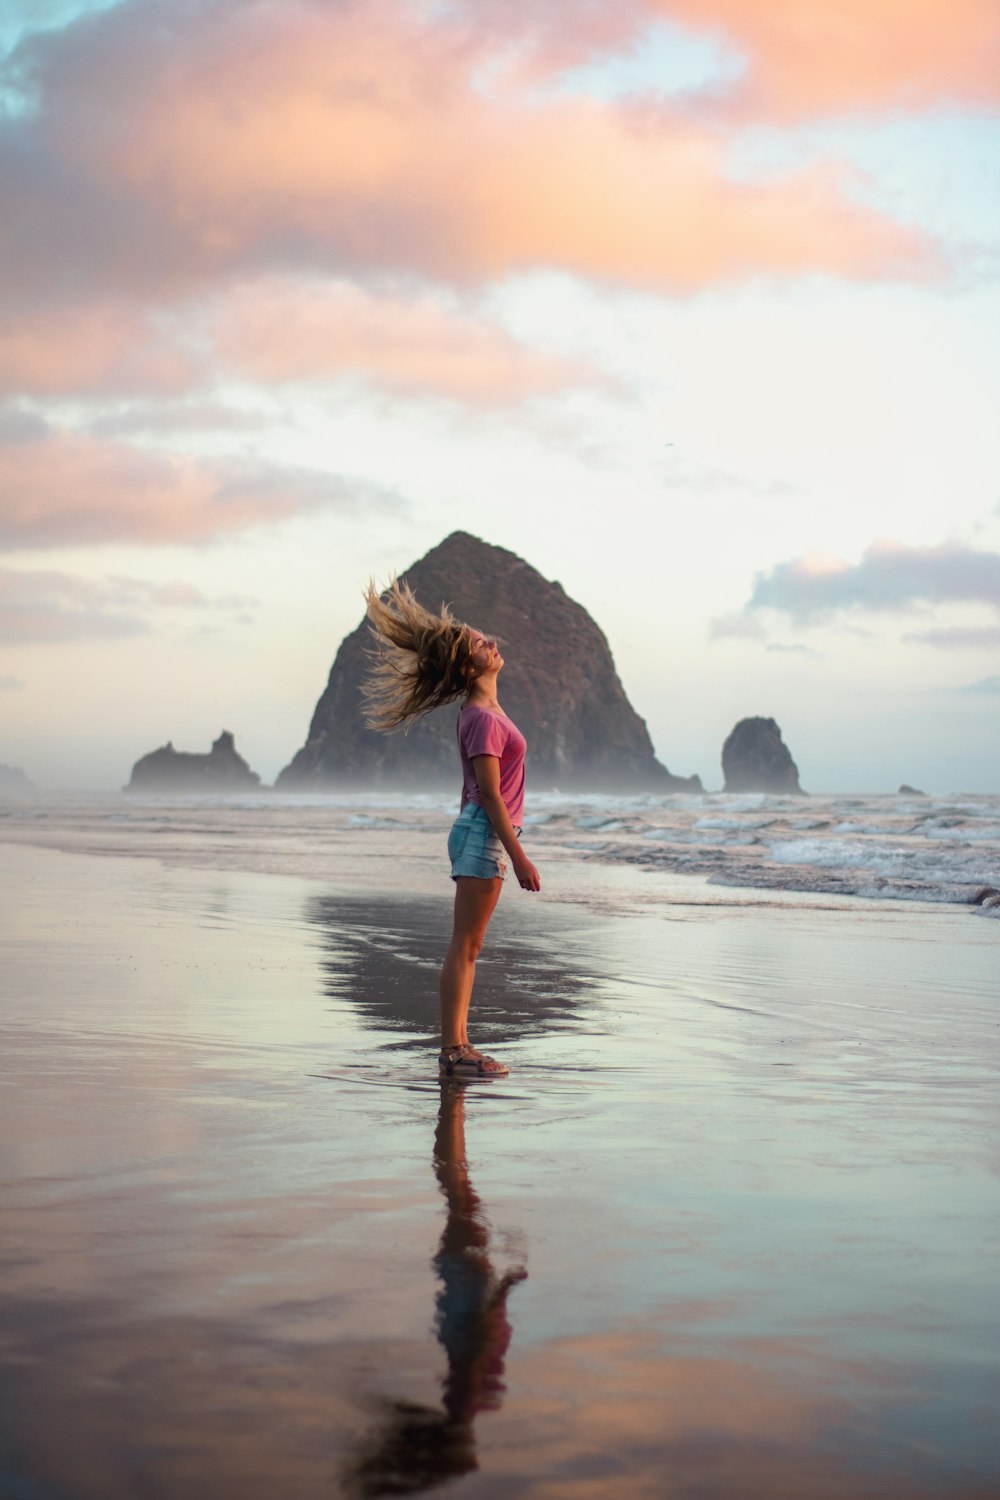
(278, 330)
(176, 595)
(355, 139)
(69, 489)
(44, 607)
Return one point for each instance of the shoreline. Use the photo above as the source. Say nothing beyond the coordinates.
(638, 885)
(884, 851)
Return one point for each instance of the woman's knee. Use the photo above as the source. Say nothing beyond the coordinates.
(474, 904)
(467, 946)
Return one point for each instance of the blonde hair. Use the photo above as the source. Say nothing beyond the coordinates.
(420, 661)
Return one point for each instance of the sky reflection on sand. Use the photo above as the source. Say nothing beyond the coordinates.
(747, 1158)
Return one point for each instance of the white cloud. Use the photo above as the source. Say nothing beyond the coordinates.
(957, 637)
(889, 577)
(741, 626)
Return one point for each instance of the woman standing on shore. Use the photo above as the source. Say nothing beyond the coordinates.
(424, 661)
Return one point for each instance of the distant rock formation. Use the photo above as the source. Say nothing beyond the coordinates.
(756, 759)
(170, 770)
(15, 785)
(559, 686)
(910, 791)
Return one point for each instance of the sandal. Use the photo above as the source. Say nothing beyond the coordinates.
(465, 1062)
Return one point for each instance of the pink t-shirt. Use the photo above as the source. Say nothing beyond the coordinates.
(482, 732)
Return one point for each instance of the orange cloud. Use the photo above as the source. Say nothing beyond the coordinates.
(415, 169)
(804, 59)
(68, 489)
(650, 204)
(278, 330)
(359, 139)
(809, 58)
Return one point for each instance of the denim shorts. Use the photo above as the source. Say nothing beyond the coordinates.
(474, 848)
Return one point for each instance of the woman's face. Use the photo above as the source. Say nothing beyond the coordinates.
(483, 653)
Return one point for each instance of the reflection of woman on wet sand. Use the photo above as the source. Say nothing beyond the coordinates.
(472, 1303)
(418, 1446)
(425, 661)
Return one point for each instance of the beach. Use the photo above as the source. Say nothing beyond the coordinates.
(729, 1228)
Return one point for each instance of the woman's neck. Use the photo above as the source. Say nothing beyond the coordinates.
(482, 695)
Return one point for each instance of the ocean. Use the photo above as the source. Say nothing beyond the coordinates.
(941, 849)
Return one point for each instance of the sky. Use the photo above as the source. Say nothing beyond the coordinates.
(693, 304)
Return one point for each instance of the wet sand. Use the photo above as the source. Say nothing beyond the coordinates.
(730, 1228)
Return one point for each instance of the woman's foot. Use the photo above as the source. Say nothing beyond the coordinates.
(466, 1061)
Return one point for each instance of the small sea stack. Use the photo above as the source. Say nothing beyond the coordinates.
(223, 769)
(755, 758)
(15, 786)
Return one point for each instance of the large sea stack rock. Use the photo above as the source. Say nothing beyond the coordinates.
(756, 759)
(170, 770)
(559, 685)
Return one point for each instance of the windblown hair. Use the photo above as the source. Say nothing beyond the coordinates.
(420, 661)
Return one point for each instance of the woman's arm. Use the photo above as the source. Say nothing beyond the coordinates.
(487, 769)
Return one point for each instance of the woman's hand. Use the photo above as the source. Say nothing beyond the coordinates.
(487, 769)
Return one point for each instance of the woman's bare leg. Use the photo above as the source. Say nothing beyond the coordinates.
(474, 903)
